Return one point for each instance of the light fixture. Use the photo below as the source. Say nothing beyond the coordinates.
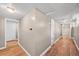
(11, 9)
(33, 18)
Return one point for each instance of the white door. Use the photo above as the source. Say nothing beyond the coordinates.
(11, 30)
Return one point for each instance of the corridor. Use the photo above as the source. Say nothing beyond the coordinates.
(65, 46)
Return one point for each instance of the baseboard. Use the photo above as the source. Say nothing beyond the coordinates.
(24, 49)
(52, 42)
(57, 39)
(5, 44)
(76, 45)
(45, 51)
(2, 48)
(11, 40)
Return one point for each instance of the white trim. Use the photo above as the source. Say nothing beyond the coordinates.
(76, 45)
(5, 33)
(24, 49)
(52, 41)
(12, 40)
(42, 54)
(57, 40)
(2, 48)
(18, 31)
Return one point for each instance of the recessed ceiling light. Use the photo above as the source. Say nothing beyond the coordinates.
(33, 18)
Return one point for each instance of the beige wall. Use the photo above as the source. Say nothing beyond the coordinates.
(2, 32)
(35, 41)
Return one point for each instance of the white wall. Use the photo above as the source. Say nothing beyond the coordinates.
(35, 41)
(76, 28)
(57, 30)
(66, 30)
(2, 32)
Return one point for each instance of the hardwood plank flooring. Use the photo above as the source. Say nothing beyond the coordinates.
(12, 49)
(63, 47)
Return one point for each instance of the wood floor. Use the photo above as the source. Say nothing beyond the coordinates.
(63, 47)
(13, 49)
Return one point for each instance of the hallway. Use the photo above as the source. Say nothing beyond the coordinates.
(37, 26)
(63, 47)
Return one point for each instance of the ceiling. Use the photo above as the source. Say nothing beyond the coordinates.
(55, 10)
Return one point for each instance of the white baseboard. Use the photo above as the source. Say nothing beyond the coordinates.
(11, 40)
(56, 40)
(76, 45)
(45, 51)
(24, 49)
(2, 48)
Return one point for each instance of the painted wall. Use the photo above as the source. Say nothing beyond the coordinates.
(59, 29)
(35, 32)
(66, 30)
(2, 32)
(55, 30)
(76, 28)
(76, 34)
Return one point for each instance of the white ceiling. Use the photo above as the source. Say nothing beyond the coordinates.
(55, 10)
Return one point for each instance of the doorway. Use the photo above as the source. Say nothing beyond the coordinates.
(11, 30)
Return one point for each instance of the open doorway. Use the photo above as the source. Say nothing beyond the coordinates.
(11, 30)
